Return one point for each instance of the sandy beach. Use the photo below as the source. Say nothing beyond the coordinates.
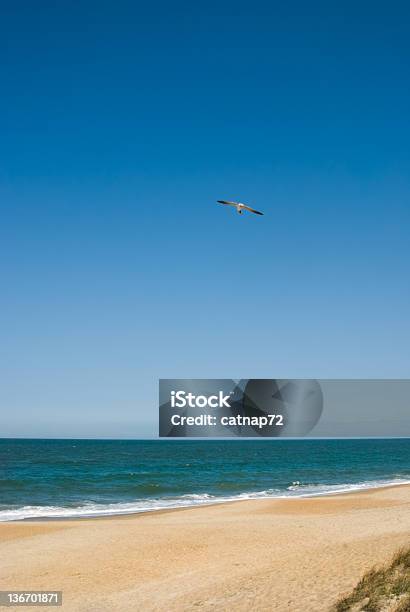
(297, 554)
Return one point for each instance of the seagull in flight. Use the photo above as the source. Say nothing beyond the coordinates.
(240, 207)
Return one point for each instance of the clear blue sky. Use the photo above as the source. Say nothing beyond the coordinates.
(121, 123)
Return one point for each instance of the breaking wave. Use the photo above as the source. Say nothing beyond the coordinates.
(296, 489)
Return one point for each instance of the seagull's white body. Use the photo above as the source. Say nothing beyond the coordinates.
(240, 207)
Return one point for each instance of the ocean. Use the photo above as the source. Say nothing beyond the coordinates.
(79, 478)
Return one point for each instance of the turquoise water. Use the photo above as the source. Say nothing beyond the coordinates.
(57, 478)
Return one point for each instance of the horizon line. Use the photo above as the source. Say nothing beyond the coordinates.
(202, 439)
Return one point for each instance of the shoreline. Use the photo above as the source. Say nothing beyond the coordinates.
(205, 504)
(297, 554)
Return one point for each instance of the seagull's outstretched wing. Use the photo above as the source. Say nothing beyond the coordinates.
(227, 203)
(257, 212)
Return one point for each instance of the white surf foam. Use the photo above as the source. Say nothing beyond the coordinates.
(91, 509)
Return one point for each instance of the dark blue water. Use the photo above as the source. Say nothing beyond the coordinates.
(92, 477)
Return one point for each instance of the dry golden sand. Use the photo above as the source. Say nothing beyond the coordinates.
(297, 555)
